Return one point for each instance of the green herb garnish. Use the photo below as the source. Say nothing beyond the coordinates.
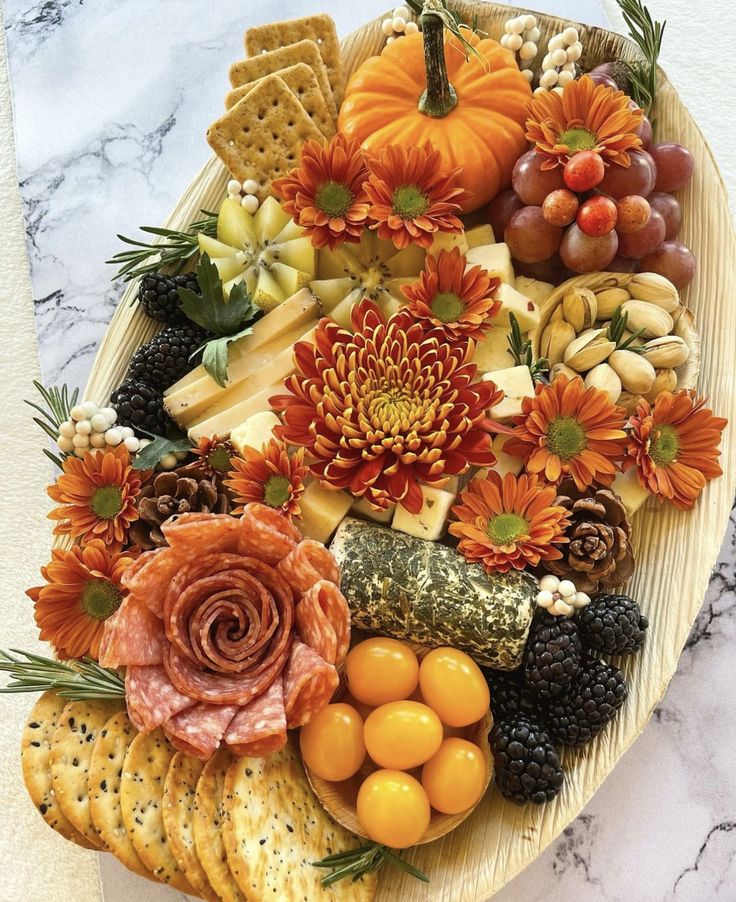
(151, 454)
(647, 35)
(616, 329)
(58, 403)
(77, 680)
(521, 350)
(356, 862)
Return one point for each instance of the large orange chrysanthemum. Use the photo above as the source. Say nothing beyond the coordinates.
(586, 116)
(82, 590)
(458, 300)
(268, 476)
(411, 196)
(387, 407)
(509, 523)
(325, 194)
(567, 429)
(674, 446)
(97, 496)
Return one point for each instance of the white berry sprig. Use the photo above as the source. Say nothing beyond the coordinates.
(521, 36)
(558, 66)
(560, 597)
(245, 193)
(398, 24)
(91, 427)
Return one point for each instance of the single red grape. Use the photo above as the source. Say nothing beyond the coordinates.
(638, 178)
(582, 253)
(671, 212)
(584, 170)
(501, 209)
(647, 239)
(560, 207)
(552, 270)
(633, 214)
(673, 260)
(597, 216)
(600, 78)
(675, 166)
(531, 182)
(644, 129)
(530, 237)
(622, 264)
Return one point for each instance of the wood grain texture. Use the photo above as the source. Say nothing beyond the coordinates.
(675, 550)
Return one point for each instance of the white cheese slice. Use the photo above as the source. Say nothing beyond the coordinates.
(322, 510)
(495, 258)
(362, 508)
(255, 432)
(523, 308)
(431, 520)
(446, 241)
(224, 423)
(505, 463)
(626, 485)
(534, 289)
(516, 383)
(481, 234)
(492, 353)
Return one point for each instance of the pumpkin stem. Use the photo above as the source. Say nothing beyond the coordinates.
(440, 98)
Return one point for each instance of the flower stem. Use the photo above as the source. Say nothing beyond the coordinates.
(440, 98)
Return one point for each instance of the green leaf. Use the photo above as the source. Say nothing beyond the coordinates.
(215, 357)
(212, 310)
(148, 457)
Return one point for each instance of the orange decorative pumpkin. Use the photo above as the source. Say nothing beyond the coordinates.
(422, 87)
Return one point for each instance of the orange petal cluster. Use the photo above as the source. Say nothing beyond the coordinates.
(268, 476)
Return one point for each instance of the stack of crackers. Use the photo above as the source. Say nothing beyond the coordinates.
(286, 92)
(231, 829)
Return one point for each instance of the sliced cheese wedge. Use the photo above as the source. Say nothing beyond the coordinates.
(322, 510)
(224, 423)
(255, 432)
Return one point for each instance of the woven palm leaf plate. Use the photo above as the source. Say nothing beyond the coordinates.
(676, 551)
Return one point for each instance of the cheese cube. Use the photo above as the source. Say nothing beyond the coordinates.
(523, 308)
(445, 241)
(534, 289)
(482, 234)
(505, 463)
(492, 353)
(516, 383)
(495, 258)
(322, 510)
(626, 485)
(362, 508)
(255, 432)
(430, 522)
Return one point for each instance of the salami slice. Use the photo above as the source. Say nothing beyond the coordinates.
(309, 684)
(152, 574)
(259, 728)
(309, 562)
(132, 635)
(198, 730)
(215, 532)
(151, 698)
(323, 621)
(266, 534)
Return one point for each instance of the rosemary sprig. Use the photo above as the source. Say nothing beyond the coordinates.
(616, 329)
(356, 862)
(174, 251)
(58, 403)
(521, 350)
(647, 35)
(79, 680)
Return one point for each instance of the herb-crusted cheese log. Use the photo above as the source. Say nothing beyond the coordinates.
(425, 592)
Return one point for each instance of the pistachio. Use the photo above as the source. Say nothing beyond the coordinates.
(562, 369)
(605, 378)
(636, 374)
(556, 314)
(652, 319)
(636, 343)
(555, 339)
(664, 380)
(610, 299)
(589, 349)
(579, 308)
(629, 401)
(668, 351)
(655, 289)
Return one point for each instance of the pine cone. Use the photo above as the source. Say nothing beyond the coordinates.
(175, 492)
(599, 554)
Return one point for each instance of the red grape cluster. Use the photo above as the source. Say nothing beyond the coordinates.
(588, 216)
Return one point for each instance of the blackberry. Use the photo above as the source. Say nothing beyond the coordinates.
(552, 655)
(527, 765)
(612, 624)
(141, 407)
(510, 697)
(158, 294)
(166, 357)
(591, 702)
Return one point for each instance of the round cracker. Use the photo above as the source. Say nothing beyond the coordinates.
(103, 784)
(35, 758)
(71, 751)
(179, 792)
(207, 823)
(141, 800)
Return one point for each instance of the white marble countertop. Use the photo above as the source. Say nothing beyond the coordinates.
(111, 104)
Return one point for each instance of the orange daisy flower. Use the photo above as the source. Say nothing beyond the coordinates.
(585, 116)
(459, 300)
(569, 430)
(674, 446)
(97, 496)
(214, 455)
(325, 194)
(411, 197)
(509, 523)
(268, 476)
(83, 588)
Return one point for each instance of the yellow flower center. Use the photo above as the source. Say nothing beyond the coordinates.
(565, 437)
(100, 598)
(664, 446)
(219, 460)
(503, 529)
(334, 199)
(447, 307)
(409, 202)
(276, 491)
(577, 139)
(107, 502)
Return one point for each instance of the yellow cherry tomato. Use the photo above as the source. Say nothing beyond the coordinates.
(332, 743)
(402, 735)
(454, 778)
(452, 685)
(393, 809)
(381, 670)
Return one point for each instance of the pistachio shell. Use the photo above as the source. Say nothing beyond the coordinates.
(665, 380)
(636, 374)
(652, 319)
(655, 289)
(605, 378)
(628, 400)
(589, 349)
(609, 300)
(562, 369)
(579, 308)
(667, 351)
(556, 314)
(555, 339)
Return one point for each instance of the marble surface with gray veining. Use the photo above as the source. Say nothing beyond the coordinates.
(112, 99)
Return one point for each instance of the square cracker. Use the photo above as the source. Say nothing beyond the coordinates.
(261, 136)
(304, 86)
(320, 29)
(270, 63)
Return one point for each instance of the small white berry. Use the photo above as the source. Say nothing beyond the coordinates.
(528, 75)
(411, 28)
(505, 40)
(168, 462)
(97, 440)
(110, 414)
(387, 27)
(80, 452)
(90, 409)
(516, 26)
(515, 42)
(564, 78)
(80, 441)
(143, 442)
(534, 35)
(570, 36)
(581, 599)
(399, 24)
(530, 22)
(547, 63)
(401, 11)
(549, 583)
(555, 43)
(249, 203)
(250, 186)
(99, 423)
(575, 51)
(113, 437)
(528, 50)
(562, 608)
(569, 67)
(390, 40)
(545, 599)
(539, 90)
(67, 429)
(84, 427)
(65, 444)
(233, 186)
(126, 431)
(558, 57)
(181, 455)
(558, 90)
(548, 79)
(566, 588)
(77, 412)
(132, 444)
